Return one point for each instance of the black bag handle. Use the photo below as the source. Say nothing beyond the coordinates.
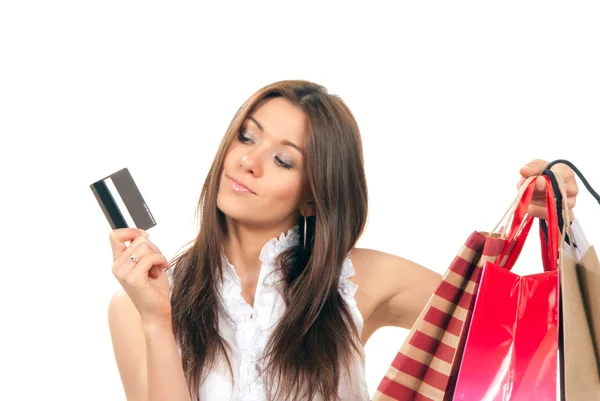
(576, 170)
(558, 194)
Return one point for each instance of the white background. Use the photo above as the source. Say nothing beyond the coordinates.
(452, 98)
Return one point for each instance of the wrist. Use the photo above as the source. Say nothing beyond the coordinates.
(154, 323)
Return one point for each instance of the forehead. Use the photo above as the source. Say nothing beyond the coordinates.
(281, 119)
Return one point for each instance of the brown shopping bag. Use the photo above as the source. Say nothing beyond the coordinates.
(580, 283)
(580, 304)
(426, 365)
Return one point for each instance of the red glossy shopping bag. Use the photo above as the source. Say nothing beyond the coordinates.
(511, 351)
(425, 367)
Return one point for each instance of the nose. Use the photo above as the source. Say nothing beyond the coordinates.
(251, 163)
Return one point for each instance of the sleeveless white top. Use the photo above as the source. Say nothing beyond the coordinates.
(247, 330)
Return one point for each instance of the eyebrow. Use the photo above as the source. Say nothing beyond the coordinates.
(284, 142)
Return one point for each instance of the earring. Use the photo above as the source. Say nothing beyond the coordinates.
(304, 232)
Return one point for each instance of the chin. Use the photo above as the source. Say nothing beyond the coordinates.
(236, 209)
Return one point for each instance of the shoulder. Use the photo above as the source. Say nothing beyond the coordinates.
(372, 272)
(374, 269)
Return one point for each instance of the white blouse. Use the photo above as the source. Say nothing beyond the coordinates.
(247, 329)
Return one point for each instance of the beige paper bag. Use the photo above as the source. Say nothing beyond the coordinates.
(580, 286)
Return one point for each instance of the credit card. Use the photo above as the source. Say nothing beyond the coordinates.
(121, 201)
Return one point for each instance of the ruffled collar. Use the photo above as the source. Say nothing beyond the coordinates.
(269, 252)
(275, 246)
(269, 285)
(235, 306)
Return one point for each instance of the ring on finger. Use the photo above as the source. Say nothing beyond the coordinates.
(133, 258)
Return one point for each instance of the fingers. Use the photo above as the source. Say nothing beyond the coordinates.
(119, 236)
(564, 171)
(541, 211)
(527, 172)
(568, 177)
(140, 247)
(537, 166)
(126, 270)
(572, 188)
(541, 202)
(538, 207)
(137, 242)
(136, 273)
(151, 261)
(540, 184)
(533, 167)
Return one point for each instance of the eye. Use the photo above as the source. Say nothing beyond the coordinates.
(243, 138)
(282, 163)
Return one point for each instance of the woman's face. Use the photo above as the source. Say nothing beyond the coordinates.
(264, 181)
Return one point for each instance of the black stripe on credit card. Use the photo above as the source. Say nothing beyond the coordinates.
(108, 205)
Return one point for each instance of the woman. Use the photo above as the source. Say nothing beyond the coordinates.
(272, 301)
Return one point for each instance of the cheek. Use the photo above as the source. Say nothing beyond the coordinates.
(231, 154)
(286, 190)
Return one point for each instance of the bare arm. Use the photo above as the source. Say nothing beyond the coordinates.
(146, 354)
(399, 287)
(412, 286)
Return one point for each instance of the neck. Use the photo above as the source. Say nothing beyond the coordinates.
(243, 244)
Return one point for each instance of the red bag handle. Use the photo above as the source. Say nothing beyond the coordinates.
(517, 234)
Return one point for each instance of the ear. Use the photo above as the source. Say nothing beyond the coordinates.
(308, 209)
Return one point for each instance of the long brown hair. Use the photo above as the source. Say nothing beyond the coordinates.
(316, 337)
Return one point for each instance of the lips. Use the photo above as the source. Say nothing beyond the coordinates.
(239, 187)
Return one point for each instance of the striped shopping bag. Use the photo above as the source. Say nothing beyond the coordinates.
(426, 366)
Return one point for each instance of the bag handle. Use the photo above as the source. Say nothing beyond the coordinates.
(581, 177)
(510, 211)
(564, 218)
(521, 225)
(560, 196)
